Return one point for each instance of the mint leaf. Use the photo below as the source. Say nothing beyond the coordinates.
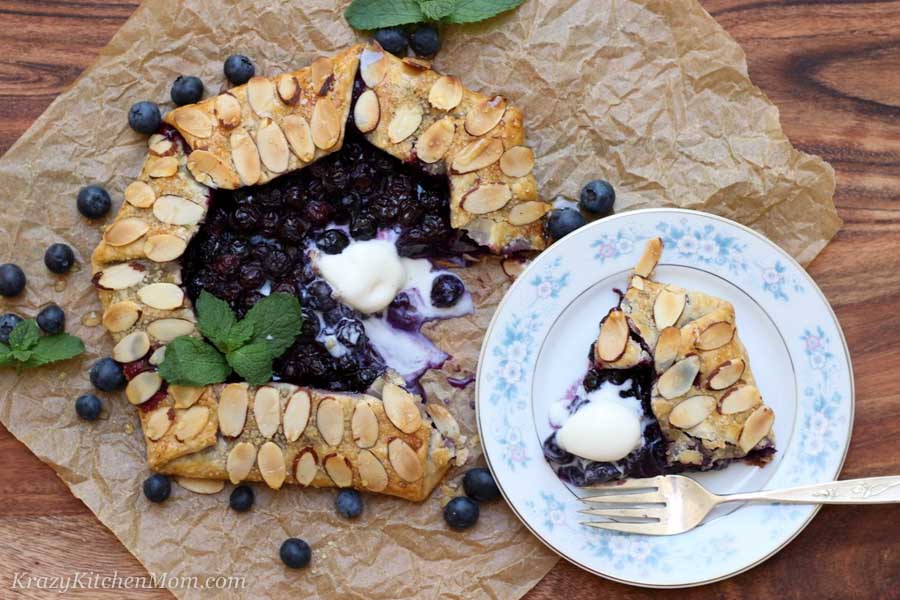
(214, 319)
(437, 9)
(6, 356)
(25, 335)
(191, 361)
(252, 362)
(239, 334)
(471, 11)
(22, 355)
(53, 348)
(276, 319)
(375, 14)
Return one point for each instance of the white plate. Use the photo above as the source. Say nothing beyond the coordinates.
(536, 349)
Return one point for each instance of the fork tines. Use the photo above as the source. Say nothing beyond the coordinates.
(630, 519)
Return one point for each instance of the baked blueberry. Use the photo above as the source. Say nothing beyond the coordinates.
(351, 332)
(186, 89)
(332, 241)
(157, 488)
(59, 258)
(425, 41)
(8, 322)
(239, 69)
(295, 553)
(393, 39)
(446, 290)
(480, 485)
(12, 280)
(51, 319)
(461, 513)
(563, 221)
(93, 201)
(320, 297)
(144, 117)
(597, 198)
(107, 375)
(363, 227)
(88, 407)
(242, 498)
(349, 503)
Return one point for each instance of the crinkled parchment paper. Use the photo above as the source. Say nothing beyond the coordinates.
(653, 96)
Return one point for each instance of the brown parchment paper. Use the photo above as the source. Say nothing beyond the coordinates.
(651, 95)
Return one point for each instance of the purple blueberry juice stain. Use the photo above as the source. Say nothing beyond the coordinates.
(461, 382)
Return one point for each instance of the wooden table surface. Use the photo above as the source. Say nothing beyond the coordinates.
(832, 67)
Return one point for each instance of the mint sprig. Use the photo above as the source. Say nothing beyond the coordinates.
(247, 346)
(28, 349)
(375, 14)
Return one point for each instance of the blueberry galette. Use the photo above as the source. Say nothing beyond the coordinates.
(336, 183)
(669, 390)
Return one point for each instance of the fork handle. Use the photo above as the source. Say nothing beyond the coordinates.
(869, 490)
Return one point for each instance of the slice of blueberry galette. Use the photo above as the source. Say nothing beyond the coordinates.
(345, 184)
(669, 390)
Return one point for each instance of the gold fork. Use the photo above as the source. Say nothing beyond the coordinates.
(674, 504)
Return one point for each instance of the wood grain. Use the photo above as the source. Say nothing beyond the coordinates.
(833, 69)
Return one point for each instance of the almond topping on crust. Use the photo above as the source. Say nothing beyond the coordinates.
(372, 474)
(133, 346)
(142, 387)
(164, 296)
(416, 65)
(299, 136)
(210, 170)
(668, 308)
(485, 115)
(518, 161)
(296, 415)
(140, 194)
(233, 403)
(739, 399)
(185, 396)
(121, 316)
(666, 348)
(193, 121)
(320, 70)
(165, 166)
(726, 374)
(157, 356)
(527, 212)
(756, 427)
(176, 210)
(306, 466)
(446, 93)
(191, 422)
(240, 461)
(270, 460)
(228, 111)
(164, 247)
(404, 460)
(435, 141)
(273, 147)
(478, 155)
(648, 260)
(372, 65)
(367, 111)
(245, 156)
(261, 96)
(166, 330)
(679, 378)
(364, 425)
(400, 407)
(715, 336)
(158, 423)
(613, 338)
(267, 409)
(443, 420)
(159, 145)
(201, 486)
(339, 469)
(121, 276)
(486, 198)
(692, 411)
(404, 123)
(330, 421)
(325, 124)
(288, 89)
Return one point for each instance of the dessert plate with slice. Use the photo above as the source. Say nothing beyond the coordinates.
(654, 342)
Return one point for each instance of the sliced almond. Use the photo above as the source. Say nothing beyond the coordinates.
(193, 121)
(228, 110)
(416, 65)
(435, 141)
(288, 89)
(740, 399)
(165, 166)
(513, 267)
(273, 147)
(364, 425)
(270, 460)
(121, 276)
(715, 336)
(726, 374)
(527, 212)
(485, 115)
(330, 421)
(240, 461)
(296, 415)
(613, 338)
(518, 161)
(261, 96)
(232, 410)
(666, 348)
(320, 70)
(306, 466)
(191, 422)
(401, 408)
(404, 460)
(692, 411)
(166, 330)
(164, 296)
(160, 145)
(140, 194)
(679, 378)
(325, 124)
(185, 396)
(339, 469)
(486, 198)
(267, 410)
(668, 307)
(756, 427)
(210, 170)
(404, 122)
(176, 210)
(120, 316)
(201, 486)
(372, 65)
(158, 423)
(372, 474)
(443, 420)
(245, 156)
(367, 112)
(157, 356)
(446, 93)
(142, 387)
(132, 347)
(478, 155)
(299, 136)
(164, 247)
(650, 258)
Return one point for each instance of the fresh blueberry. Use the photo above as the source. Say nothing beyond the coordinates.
(107, 375)
(393, 39)
(8, 322)
(332, 241)
(93, 201)
(295, 553)
(479, 485)
(51, 319)
(186, 89)
(239, 69)
(59, 258)
(12, 280)
(461, 513)
(425, 41)
(563, 221)
(88, 407)
(157, 488)
(597, 198)
(446, 290)
(241, 498)
(349, 504)
(144, 117)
